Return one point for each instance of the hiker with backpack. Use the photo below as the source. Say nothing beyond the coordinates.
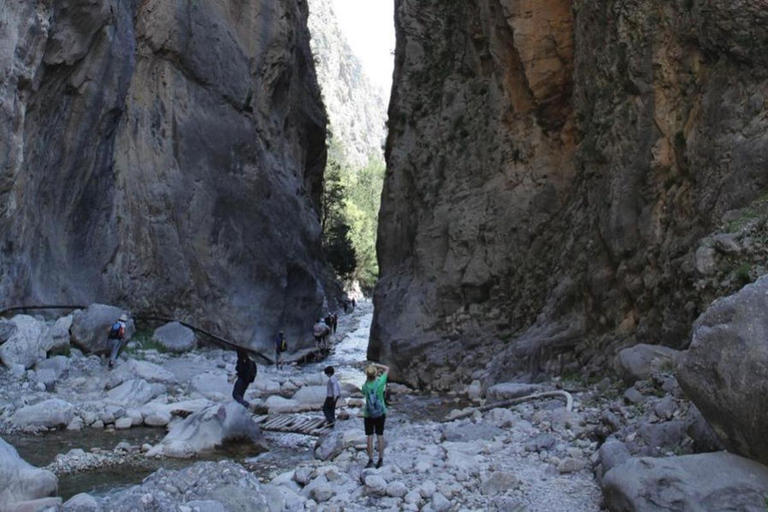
(280, 346)
(320, 330)
(375, 410)
(333, 392)
(246, 373)
(115, 338)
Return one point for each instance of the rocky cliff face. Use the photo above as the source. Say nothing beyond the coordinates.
(553, 168)
(356, 109)
(165, 156)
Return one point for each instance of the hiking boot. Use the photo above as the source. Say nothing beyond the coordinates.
(380, 463)
(370, 464)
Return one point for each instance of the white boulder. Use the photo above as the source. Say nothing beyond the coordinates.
(49, 413)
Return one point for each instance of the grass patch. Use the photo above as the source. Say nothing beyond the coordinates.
(65, 350)
(758, 208)
(142, 340)
(742, 273)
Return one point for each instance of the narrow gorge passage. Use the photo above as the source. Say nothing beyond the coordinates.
(532, 456)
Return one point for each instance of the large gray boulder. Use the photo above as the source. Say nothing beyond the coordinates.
(90, 327)
(310, 395)
(26, 342)
(49, 413)
(134, 393)
(59, 334)
(207, 429)
(19, 480)
(214, 386)
(639, 362)
(704, 482)
(174, 337)
(82, 502)
(59, 365)
(725, 371)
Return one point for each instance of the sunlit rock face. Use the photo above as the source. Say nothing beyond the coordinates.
(163, 156)
(552, 169)
(356, 109)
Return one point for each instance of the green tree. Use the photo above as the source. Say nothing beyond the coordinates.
(350, 211)
(340, 252)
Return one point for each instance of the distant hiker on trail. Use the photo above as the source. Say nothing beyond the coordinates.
(280, 346)
(246, 373)
(333, 392)
(320, 330)
(116, 337)
(334, 322)
(375, 410)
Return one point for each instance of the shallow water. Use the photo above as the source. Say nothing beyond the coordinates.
(40, 450)
(286, 450)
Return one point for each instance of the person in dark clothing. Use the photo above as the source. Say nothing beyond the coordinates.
(333, 392)
(246, 373)
(116, 337)
(280, 346)
(334, 322)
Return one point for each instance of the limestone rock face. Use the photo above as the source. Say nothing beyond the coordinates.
(356, 109)
(163, 156)
(725, 369)
(544, 201)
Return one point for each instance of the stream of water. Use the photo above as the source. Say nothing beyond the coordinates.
(286, 450)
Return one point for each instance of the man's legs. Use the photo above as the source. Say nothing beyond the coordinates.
(239, 391)
(381, 450)
(115, 351)
(329, 409)
(370, 450)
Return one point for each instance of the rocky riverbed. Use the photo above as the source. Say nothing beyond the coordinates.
(535, 456)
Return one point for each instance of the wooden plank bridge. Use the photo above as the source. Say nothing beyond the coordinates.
(307, 425)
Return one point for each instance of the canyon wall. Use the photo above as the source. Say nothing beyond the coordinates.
(554, 170)
(165, 156)
(357, 111)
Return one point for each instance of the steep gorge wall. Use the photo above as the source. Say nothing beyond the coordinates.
(163, 155)
(356, 109)
(552, 168)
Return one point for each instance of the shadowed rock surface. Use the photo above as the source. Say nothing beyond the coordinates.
(710, 481)
(545, 202)
(725, 370)
(163, 156)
